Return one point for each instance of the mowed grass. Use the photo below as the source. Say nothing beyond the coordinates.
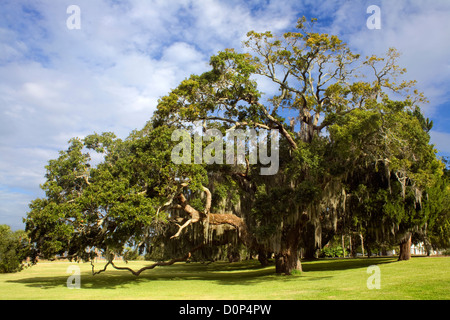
(420, 278)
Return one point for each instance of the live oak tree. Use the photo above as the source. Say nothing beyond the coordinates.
(322, 90)
(347, 132)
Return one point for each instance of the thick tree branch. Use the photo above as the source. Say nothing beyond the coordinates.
(85, 177)
(194, 213)
(231, 219)
(237, 123)
(181, 227)
(279, 125)
(208, 199)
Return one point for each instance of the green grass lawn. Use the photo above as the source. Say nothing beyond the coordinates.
(418, 278)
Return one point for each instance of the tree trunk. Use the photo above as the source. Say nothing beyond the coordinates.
(428, 246)
(263, 258)
(288, 259)
(350, 249)
(308, 242)
(405, 248)
(362, 243)
(309, 252)
(233, 257)
(354, 243)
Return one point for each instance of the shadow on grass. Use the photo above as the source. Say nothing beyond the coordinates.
(344, 263)
(241, 273)
(87, 281)
(224, 273)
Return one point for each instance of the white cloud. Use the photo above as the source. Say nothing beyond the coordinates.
(16, 208)
(57, 83)
(442, 141)
(416, 28)
(23, 167)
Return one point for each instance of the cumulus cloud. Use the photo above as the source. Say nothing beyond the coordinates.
(57, 83)
(441, 141)
(417, 29)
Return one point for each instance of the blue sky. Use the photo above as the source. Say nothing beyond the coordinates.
(57, 83)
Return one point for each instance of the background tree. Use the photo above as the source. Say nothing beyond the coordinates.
(435, 233)
(389, 173)
(14, 248)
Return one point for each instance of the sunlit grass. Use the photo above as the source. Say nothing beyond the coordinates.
(418, 278)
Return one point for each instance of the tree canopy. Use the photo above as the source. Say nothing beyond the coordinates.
(353, 156)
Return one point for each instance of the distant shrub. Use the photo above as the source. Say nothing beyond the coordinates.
(14, 248)
(331, 252)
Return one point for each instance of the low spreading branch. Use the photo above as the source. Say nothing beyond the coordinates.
(152, 266)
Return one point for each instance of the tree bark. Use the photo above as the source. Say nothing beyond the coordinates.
(362, 243)
(405, 248)
(308, 243)
(233, 254)
(428, 246)
(288, 258)
(263, 258)
(288, 261)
